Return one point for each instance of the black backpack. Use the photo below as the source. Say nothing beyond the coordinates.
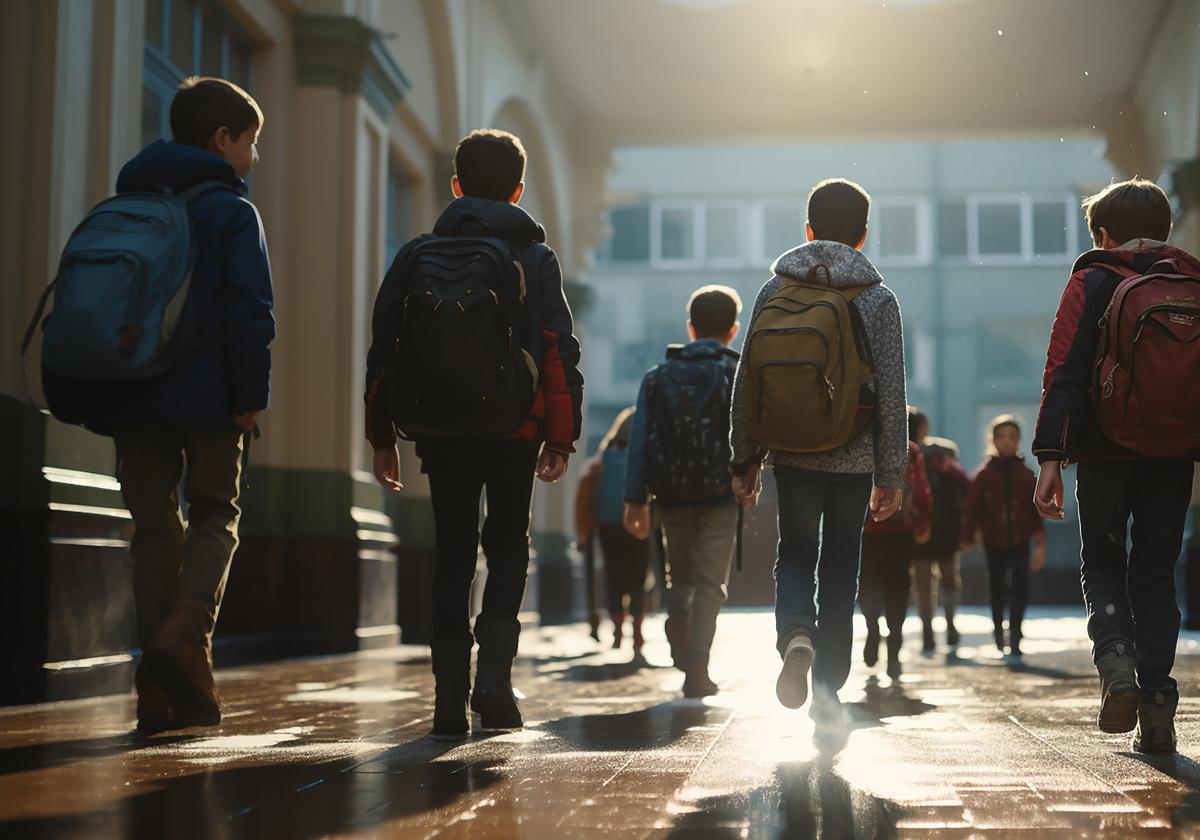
(461, 368)
(688, 398)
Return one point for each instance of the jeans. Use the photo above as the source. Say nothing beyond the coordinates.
(626, 560)
(699, 552)
(1002, 566)
(459, 473)
(884, 583)
(174, 560)
(1130, 595)
(821, 519)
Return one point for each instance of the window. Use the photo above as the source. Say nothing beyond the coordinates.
(1049, 228)
(630, 241)
(674, 236)
(399, 210)
(897, 233)
(722, 233)
(186, 38)
(952, 229)
(782, 229)
(998, 227)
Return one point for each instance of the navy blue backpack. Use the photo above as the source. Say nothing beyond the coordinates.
(610, 495)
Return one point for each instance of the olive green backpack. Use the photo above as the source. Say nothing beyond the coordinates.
(807, 367)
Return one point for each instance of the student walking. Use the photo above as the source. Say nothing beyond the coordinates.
(1133, 431)
(999, 507)
(679, 455)
(473, 357)
(887, 552)
(600, 514)
(936, 566)
(820, 393)
(180, 419)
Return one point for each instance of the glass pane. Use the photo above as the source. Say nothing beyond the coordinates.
(154, 23)
(211, 35)
(1049, 228)
(678, 236)
(783, 230)
(721, 231)
(630, 233)
(1000, 229)
(239, 61)
(898, 231)
(952, 229)
(183, 34)
(152, 109)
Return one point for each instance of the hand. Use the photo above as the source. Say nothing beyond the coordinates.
(637, 520)
(1048, 497)
(1039, 558)
(387, 469)
(552, 466)
(923, 537)
(884, 502)
(746, 487)
(246, 421)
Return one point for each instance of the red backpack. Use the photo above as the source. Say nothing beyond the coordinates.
(1147, 386)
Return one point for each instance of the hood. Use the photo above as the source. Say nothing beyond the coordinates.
(1138, 255)
(943, 446)
(701, 348)
(502, 220)
(847, 266)
(169, 164)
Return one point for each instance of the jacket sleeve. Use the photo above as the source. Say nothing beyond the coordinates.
(1068, 374)
(248, 316)
(559, 407)
(380, 431)
(556, 318)
(891, 431)
(637, 490)
(970, 512)
(742, 450)
(922, 495)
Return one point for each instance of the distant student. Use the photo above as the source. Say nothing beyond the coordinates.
(886, 556)
(473, 357)
(820, 393)
(999, 506)
(679, 455)
(599, 514)
(1133, 430)
(936, 575)
(180, 429)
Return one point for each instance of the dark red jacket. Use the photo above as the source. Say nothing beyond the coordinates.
(999, 505)
(916, 506)
(1068, 428)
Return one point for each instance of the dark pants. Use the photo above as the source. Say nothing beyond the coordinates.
(626, 559)
(1008, 572)
(884, 583)
(1130, 595)
(459, 473)
(816, 574)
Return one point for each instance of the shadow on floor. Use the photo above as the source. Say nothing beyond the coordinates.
(883, 702)
(604, 671)
(281, 800)
(1185, 810)
(653, 727)
(806, 800)
(1017, 666)
(44, 755)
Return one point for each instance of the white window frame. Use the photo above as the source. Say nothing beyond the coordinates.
(742, 218)
(657, 208)
(1025, 217)
(1069, 203)
(924, 220)
(758, 237)
(936, 208)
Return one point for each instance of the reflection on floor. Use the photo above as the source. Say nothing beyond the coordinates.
(961, 746)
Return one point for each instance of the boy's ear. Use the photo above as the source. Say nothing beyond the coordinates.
(515, 198)
(691, 331)
(733, 331)
(808, 231)
(220, 141)
(1106, 241)
(455, 187)
(862, 241)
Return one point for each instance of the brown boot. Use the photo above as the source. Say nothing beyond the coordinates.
(618, 620)
(678, 629)
(181, 661)
(697, 683)
(154, 712)
(639, 640)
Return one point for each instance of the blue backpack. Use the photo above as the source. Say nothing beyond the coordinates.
(610, 498)
(121, 289)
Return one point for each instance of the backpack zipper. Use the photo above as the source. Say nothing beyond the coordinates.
(829, 388)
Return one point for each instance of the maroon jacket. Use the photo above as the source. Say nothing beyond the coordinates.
(1000, 505)
(916, 503)
(1068, 428)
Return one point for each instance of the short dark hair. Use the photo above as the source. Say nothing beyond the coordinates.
(916, 417)
(1133, 209)
(490, 163)
(838, 210)
(1005, 421)
(713, 310)
(204, 104)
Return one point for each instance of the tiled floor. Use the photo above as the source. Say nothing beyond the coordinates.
(962, 747)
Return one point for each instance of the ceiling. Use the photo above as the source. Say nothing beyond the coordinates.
(678, 71)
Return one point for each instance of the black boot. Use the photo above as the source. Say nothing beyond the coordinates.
(493, 698)
(1119, 696)
(697, 683)
(452, 681)
(871, 646)
(928, 643)
(894, 669)
(1156, 721)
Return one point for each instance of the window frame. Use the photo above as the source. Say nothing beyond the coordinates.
(924, 231)
(1071, 233)
(739, 209)
(759, 226)
(695, 208)
(1024, 228)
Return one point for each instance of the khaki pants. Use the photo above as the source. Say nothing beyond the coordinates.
(173, 559)
(699, 552)
(931, 574)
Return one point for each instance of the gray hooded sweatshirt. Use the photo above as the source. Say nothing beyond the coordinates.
(883, 449)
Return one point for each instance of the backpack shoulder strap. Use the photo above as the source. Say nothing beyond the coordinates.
(195, 191)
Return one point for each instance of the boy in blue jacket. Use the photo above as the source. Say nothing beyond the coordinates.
(187, 425)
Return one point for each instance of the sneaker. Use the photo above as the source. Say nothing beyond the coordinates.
(1118, 689)
(871, 648)
(792, 686)
(1156, 722)
(830, 732)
